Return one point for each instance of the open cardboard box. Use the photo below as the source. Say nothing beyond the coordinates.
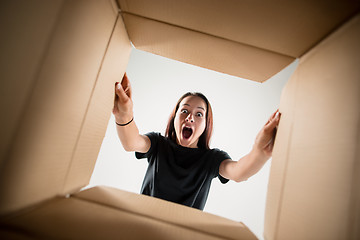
(60, 60)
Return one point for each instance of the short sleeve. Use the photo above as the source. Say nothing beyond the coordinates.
(219, 156)
(154, 139)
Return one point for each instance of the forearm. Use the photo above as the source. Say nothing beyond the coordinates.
(124, 116)
(250, 164)
(129, 134)
(246, 167)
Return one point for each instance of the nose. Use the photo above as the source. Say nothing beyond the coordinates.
(189, 118)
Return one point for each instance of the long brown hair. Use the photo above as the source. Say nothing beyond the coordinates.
(204, 139)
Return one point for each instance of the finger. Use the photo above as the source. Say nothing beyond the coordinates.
(116, 98)
(128, 90)
(274, 114)
(271, 117)
(126, 85)
(124, 81)
(273, 123)
(116, 95)
(277, 116)
(121, 93)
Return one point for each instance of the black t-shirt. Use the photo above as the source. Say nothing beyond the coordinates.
(180, 174)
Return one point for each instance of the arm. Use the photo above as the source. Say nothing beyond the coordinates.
(123, 111)
(252, 162)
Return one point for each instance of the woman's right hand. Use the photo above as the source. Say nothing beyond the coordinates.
(123, 105)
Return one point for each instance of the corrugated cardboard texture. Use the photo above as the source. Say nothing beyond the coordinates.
(104, 213)
(288, 28)
(57, 107)
(313, 188)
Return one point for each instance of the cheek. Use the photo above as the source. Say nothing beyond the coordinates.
(176, 124)
(201, 127)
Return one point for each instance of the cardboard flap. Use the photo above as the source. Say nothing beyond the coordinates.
(106, 213)
(99, 109)
(204, 50)
(314, 180)
(165, 211)
(222, 35)
(289, 28)
(61, 115)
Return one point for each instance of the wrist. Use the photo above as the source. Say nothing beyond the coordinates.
(124, 124)
(259, 153)
(124, 118)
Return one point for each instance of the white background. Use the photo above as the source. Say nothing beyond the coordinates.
(240, 107)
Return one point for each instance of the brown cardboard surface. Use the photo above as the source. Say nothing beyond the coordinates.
(60, 70)
(355, 203)
(319, 196)
(14, 235)
(280, 156)
(83, 218)
(21, 57)
(169, 212)
(99, 110)
(56, 101)
(204, 50)
(287, 27)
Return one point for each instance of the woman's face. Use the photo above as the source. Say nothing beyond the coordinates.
(190, 121)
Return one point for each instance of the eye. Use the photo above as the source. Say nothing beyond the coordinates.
(199, 114)
(184, 111)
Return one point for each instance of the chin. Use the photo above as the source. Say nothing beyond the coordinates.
(189, 144)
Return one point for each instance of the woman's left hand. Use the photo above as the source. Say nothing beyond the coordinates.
(265, 139)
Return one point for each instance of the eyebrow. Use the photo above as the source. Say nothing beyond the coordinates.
(186, 104)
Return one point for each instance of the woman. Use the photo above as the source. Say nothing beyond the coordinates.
(181, 164)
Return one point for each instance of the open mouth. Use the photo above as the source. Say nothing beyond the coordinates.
(187, 132)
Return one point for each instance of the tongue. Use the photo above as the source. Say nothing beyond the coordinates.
(187, 132)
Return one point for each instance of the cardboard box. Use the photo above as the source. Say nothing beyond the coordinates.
(314, 182)
(60, 60)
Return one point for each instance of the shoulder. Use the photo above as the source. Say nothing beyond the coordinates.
(219, 154)
(156, 143)
(153, 135)
(158, 140)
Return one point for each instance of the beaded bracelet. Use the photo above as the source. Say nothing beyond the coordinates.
(122, 125)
